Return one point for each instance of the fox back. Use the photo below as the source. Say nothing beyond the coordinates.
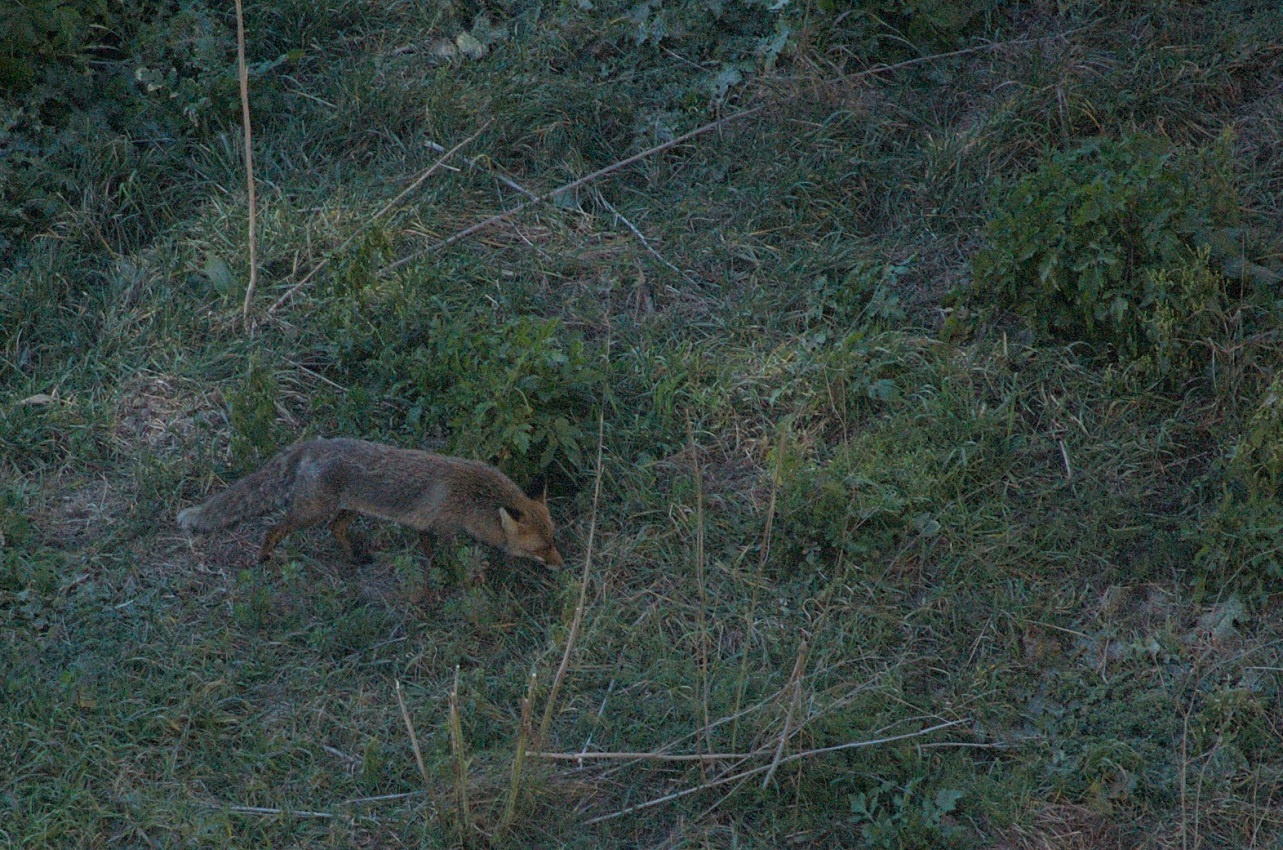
(334, 479)
(436, 493)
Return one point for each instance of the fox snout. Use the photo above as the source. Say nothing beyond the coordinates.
(546, 556)
(529, 535)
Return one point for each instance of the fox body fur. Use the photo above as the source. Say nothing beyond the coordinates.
(333, 480)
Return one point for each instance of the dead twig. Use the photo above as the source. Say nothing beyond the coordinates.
(414, 184)
(574, 184)
(736, 777)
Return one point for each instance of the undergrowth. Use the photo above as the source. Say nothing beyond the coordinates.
(938, 424)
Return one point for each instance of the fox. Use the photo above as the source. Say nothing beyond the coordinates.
(333, 480)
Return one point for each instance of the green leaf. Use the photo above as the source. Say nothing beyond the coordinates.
(947, 800)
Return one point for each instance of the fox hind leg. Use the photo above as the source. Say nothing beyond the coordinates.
(275, 535)
(302, 512)
(339, 529)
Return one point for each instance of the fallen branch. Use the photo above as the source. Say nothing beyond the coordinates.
(736, 777)
(574, 184)
(264, 810)
(652, 756)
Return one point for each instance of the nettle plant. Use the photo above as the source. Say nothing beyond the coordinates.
(515, 389)
(1108, 244)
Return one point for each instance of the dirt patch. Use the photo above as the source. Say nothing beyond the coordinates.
(78, 512)
(157, 412)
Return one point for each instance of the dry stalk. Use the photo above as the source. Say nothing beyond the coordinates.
(414, 742)
(413, 746)
(459, 752)
(243, 74)
(601, 709)
(583, 579)
(742, 684)
(701, 649)
(661, 754)
(518, 761)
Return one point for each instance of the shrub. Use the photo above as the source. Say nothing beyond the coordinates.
(1102, 244)
(517, 389)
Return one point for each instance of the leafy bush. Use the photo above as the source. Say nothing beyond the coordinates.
(885, 26)
(1239, 541)
(253, 414)
(896, 816)
(511, 389)
(517, 389)
(729, 41)
(1239, 545)
(1101, 244)
(93, 90)
(30, 569)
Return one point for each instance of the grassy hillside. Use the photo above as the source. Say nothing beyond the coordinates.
(912, 430)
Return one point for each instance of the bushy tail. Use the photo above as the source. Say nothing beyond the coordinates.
(253, 495)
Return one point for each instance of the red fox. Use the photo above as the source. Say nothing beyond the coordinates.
(334, 480)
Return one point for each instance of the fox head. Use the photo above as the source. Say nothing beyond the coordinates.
(527, 533)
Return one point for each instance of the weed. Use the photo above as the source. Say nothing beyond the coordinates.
(1100, 244)
(510, 389)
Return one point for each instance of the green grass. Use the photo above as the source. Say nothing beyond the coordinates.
(844, 496)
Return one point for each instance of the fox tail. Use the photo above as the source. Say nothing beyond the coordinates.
(253, 495)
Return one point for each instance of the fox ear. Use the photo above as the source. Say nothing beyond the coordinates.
(508, 522)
